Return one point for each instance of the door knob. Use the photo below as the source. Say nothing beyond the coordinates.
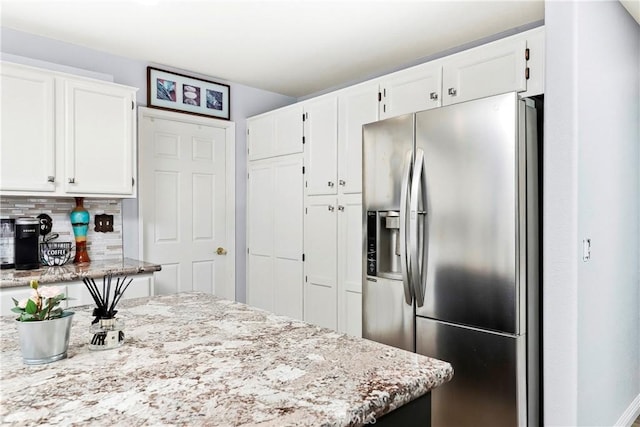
(221, 251)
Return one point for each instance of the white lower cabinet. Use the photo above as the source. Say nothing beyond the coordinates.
(142, 285)
(274, 235)
(333, 264)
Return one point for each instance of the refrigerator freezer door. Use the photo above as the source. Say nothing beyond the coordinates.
(386, 317)
(471, 168)
(487, 388)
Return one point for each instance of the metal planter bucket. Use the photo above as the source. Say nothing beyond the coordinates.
(45, 341)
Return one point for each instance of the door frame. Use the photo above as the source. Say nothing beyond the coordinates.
(230, 179)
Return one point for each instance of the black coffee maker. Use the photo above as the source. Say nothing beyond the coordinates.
(27, 244)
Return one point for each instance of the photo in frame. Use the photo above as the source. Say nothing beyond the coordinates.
(177, 92)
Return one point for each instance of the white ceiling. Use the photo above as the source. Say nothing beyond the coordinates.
(290, 47)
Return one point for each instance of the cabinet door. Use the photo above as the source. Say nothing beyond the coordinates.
(321, 149)
(288, 225)
(27, 151)
(261, 134)
(288, 131)
(356, 107)
(491, 69)
(415, 89)
(274, 235)
(320, 295)
(98, 125)
(260, 234)
(350, 249)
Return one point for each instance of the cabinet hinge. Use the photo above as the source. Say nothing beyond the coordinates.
(303, 140)
(306, 211)
(247, 250)
(303, 170)
(379, 96)
(305, 279)
(526, 73)
(133, 181)
(303, 118)
(247, 176)
(303, 257)
(247, 131)
(526, 54)
(133, 105)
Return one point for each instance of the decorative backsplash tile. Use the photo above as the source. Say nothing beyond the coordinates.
(101, 246)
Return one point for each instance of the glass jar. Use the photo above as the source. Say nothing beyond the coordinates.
(106, 334)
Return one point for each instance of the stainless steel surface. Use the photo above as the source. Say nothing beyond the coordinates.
(418, 228)
(452, 92)
(404, 229)
(485, 387)
(433, 96)
(387, 318)
(471, 169)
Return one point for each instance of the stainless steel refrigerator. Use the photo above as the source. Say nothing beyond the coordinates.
(451, 252)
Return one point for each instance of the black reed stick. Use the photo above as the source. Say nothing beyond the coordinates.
(103, 309)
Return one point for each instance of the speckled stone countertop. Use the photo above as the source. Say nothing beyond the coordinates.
(194, 359)
(70, 272)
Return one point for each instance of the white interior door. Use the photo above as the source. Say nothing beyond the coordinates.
(186, 204)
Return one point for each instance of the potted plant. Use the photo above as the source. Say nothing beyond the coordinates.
(43, 326)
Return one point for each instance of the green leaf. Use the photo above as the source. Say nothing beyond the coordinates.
(26, 317)
(31, 307)
(17, 310)
(15, 301)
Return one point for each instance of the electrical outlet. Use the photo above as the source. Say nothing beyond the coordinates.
(104, 223)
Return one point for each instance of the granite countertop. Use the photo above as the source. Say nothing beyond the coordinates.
(71, 272)
(195, 359)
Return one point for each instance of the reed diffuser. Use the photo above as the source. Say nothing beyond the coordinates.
(106, 331)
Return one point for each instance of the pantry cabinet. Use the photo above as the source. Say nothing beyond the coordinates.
(414, 89)
(27, 151)
(64, 135)
(275, 134)
(274, 235)
(321, 145)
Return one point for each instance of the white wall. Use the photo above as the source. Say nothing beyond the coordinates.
(245, 102)
(592, 190)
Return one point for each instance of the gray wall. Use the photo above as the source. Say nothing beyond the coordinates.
(592, 190)
(245, 102)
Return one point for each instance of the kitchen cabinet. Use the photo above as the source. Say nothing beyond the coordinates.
(274, 235)
(64, 135)
(142, 285)
(27, 151)
(357, 106)
(276, 133)
(410, 90)
(98, 124)
(321, 145)
(321, 261)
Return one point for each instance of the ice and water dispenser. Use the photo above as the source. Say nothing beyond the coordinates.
(383, 244)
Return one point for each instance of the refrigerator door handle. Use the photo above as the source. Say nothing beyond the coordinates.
(404, 200)
(418, 269)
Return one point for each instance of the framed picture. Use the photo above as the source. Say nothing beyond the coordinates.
(177, 92)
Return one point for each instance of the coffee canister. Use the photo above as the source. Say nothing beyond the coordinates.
(7, 238)
(27, 244)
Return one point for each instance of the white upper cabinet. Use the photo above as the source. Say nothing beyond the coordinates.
(414, 89)
(27, 145)
(490, 69)
(98, 127)
(64, 135)
(356, 107)
(321, 145)
(276, 133)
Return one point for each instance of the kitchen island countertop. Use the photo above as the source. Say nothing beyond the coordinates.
(70, 272)
(195, 359)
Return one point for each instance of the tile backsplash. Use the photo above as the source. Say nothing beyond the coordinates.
(101, 246)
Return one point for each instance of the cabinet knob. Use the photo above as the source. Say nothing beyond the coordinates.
(452, 91)
(72, 180)
(331, 208)
(341, 182)
(433, 96)
(340, 208)
(51, 179)
(330, 184)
